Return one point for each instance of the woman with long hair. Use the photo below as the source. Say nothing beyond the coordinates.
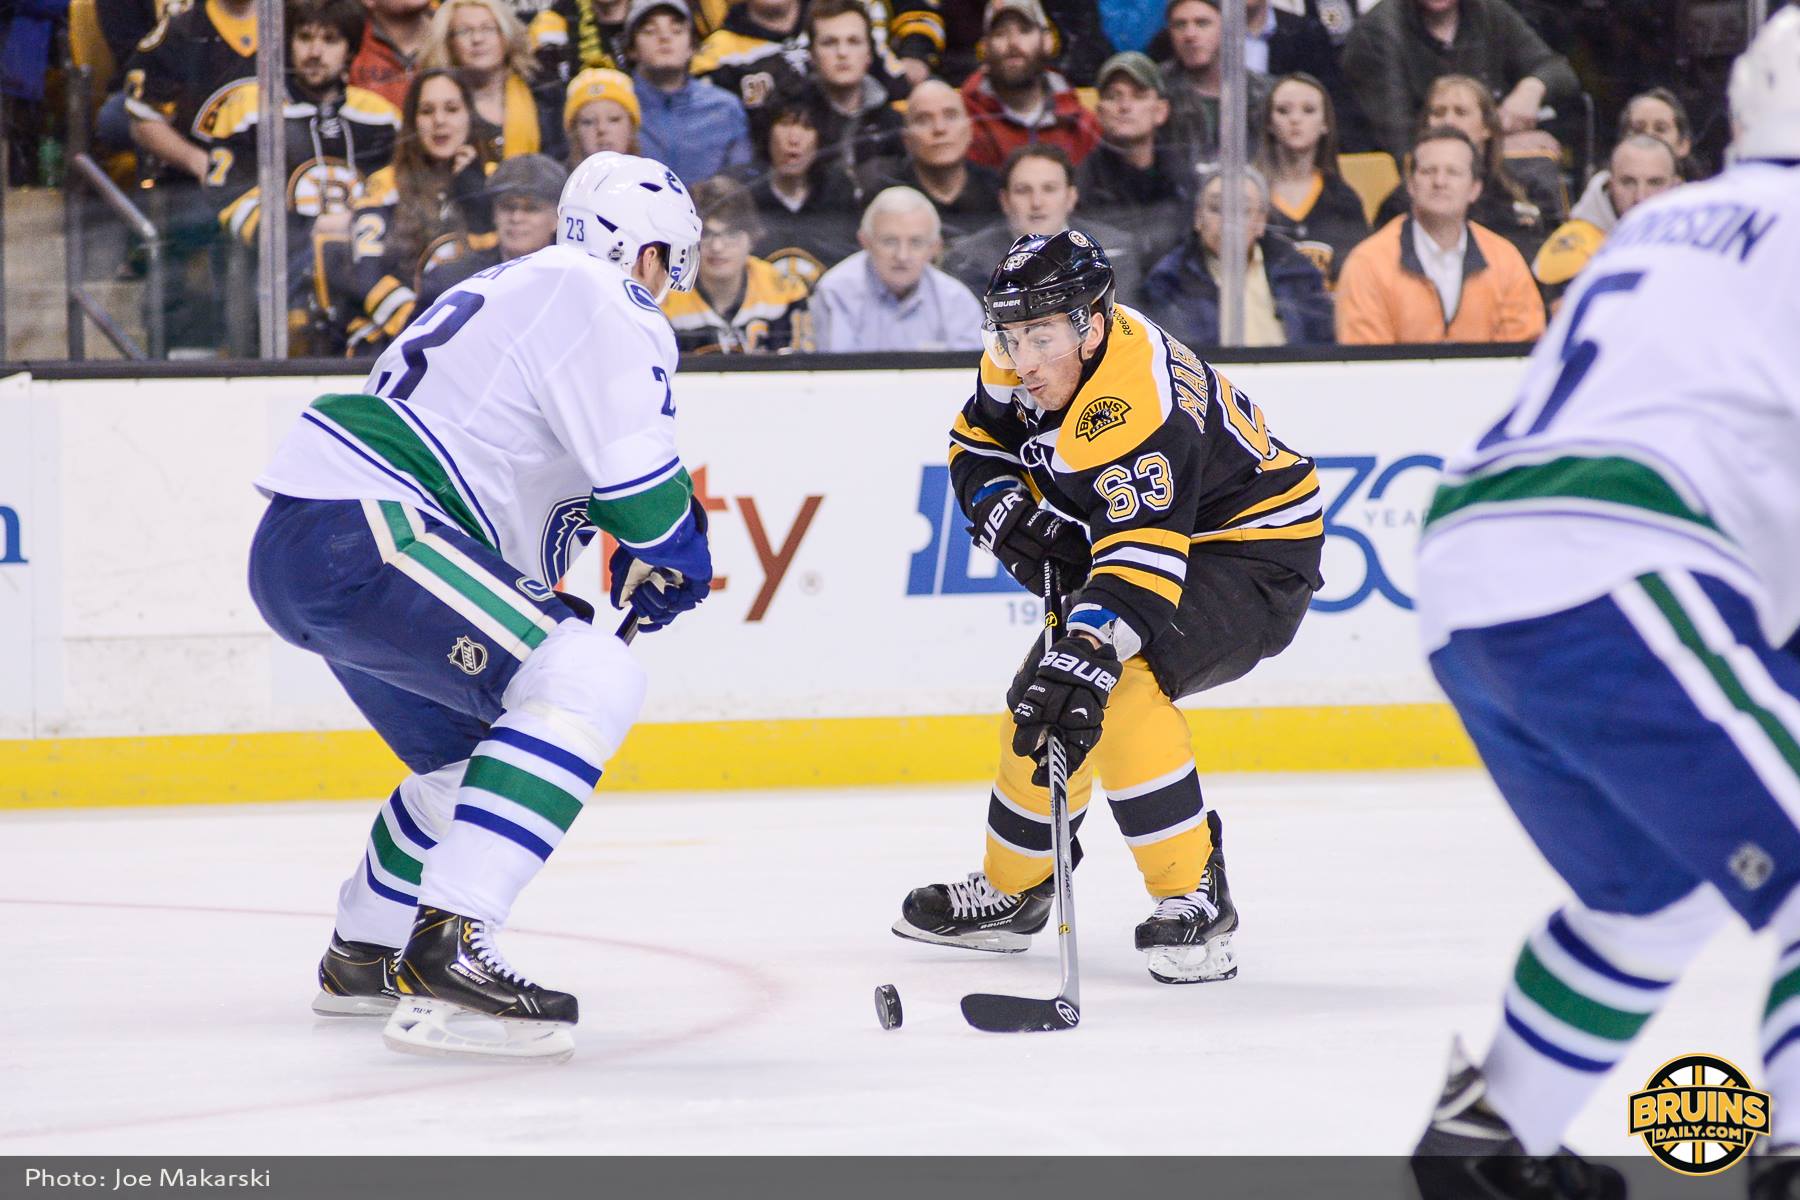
(429, 205)
(1522, 197)
(484, 40)
(1308, 200)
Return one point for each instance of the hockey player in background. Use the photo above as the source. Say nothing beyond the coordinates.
(413, 533)
(1609, 586)
(1188, 541)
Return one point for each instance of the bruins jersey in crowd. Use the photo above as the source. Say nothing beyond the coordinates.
(771, 316)
(334, 143)
(1158, 457)
(370, 284)
(188, 68)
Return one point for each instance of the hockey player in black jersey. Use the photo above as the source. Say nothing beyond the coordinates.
(1187, 539)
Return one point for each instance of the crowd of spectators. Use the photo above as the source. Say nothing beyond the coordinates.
(861, 167)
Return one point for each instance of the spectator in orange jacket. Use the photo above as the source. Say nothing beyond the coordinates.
(1433, 275)
(1016, 99)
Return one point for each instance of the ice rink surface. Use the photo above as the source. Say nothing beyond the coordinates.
(725, 949)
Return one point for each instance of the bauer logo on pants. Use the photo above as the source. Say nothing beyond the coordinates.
(1698, 1114)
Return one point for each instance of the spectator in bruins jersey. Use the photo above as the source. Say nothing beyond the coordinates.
(888, 296)
(691, 126)
(601, 113)
(935, 137)
(1144, 187)
(1186, 543)
(806, 208)
(388, 57)
(744, 55)
(740, 303)
(1038, 196)
(572, 36)
(484, 40)
(1015, 99)
(1285, 303)
(337, 136)
(430, 206)
(187, 70)
(1641, 166)
(524, 191)
(1309, 201)
(1522, 196)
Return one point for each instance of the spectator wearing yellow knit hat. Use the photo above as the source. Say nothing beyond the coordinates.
(601, 113)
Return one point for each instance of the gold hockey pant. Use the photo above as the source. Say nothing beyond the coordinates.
(1145, 760)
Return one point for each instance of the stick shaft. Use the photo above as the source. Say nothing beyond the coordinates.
(1060, 835)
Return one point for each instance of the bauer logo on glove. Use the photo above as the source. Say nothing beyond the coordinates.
(1066, 693)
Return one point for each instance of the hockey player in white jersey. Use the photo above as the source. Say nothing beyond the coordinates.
(413, 535)
(1609, 585)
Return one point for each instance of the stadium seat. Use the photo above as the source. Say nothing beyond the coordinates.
(1371, 175)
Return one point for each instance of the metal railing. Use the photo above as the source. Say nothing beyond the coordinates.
(84, 175)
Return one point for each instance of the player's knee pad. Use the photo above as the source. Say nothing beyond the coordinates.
(431, 798)
(1657, 944)
(584, 684)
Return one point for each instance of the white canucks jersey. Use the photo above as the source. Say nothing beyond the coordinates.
(530, 402)
(1658, 426)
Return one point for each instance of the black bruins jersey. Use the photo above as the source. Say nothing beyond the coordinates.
(187, 68)
(1157, 456)
(333, 145)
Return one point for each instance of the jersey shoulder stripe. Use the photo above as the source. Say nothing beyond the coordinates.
(1123, 404)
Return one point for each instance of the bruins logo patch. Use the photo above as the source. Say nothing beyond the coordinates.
(1107, 412)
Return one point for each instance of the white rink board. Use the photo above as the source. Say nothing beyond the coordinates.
(137, 508)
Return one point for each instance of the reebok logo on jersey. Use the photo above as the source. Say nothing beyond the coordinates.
(1101, 414)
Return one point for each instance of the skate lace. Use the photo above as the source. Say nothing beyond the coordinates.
(489, 956)
(976, 897)
(1196, 904)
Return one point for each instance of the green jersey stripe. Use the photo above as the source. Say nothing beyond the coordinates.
(524, 789)
(647, 516)
(495, 606)
(1611, 480)
(374, 423)
(1785, 989)
(1570, 1006)
(1720, 670)
(393, 859)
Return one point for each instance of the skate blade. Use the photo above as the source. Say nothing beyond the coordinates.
(1210, 962)
(327, 1005)
(997, 941)
(437, 1028)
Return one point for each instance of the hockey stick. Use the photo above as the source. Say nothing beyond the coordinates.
(1025, 1014)
(628, 627)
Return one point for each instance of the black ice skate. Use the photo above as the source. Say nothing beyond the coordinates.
(1188, 938)
(1469, 1152)
(457, 995)
(971, 914)
(356, 979)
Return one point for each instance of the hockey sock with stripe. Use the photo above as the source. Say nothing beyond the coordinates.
(1584, 985)
(1781, 1042)
(376, 902)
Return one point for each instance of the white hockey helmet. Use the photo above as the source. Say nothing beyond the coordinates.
(616, 204)
(1765, 91)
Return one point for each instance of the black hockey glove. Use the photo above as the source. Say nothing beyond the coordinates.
(1066, 692)
(1022, 535)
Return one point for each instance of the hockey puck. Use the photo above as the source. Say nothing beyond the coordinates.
(887, 1006)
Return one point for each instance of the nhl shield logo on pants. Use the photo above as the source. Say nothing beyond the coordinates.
(469, 655)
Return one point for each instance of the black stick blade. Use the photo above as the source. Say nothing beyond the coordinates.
(1018, 1014)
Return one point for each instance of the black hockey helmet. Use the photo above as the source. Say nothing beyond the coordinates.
(1042, 276)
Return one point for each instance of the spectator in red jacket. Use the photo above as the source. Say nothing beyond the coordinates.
(392, 41)
(1015, 99)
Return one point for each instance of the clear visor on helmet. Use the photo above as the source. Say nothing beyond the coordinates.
(682, 269)
(1026, 346)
